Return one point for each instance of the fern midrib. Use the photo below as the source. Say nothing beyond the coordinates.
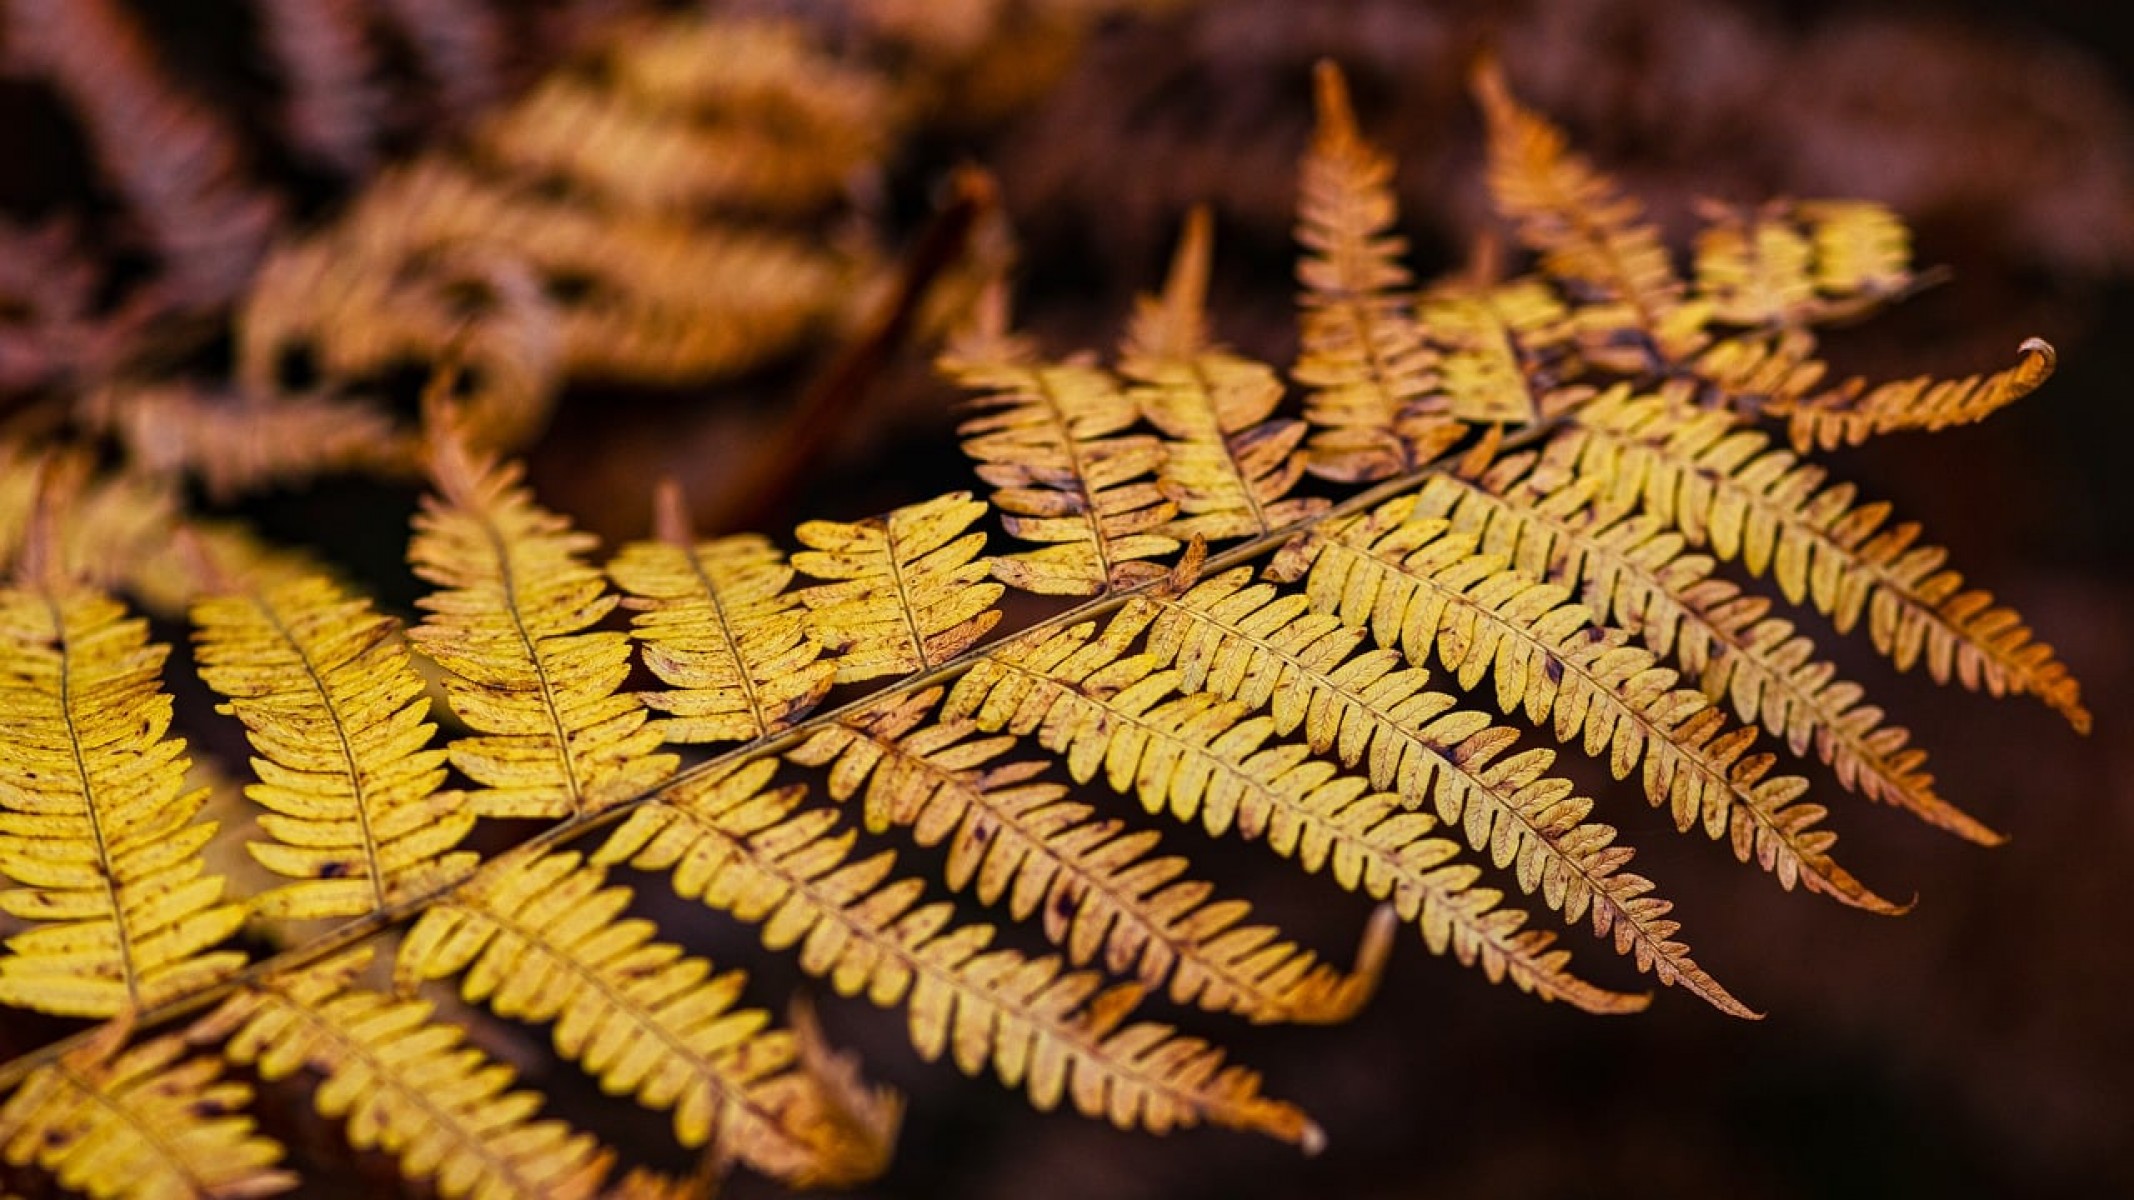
(1204, 385)
(98, 1091)
(357, 791)
(1079, 470)
(107, 868)
(904, 595)
(508, 581)
(1597, 886)
(743, 668)
(354, 932)
(1121, 904)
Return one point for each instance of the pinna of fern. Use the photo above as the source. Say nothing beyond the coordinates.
(1362, 682)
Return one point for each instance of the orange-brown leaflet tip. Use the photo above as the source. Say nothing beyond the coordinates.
(1330, 91)
(670, 513)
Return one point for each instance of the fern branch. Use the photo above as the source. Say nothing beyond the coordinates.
(746, 850)
(1724, 486)
(1095, 883)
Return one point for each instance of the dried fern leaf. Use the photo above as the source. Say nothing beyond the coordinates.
(1588, 233)
(1863, 254)
(1373, 402)
(142, 1122)
(332, 111)
(102, 844)
(1251, 643)
(1065, 475)
(1497, 347)
(1098, 884)
(1724, 487)
(1847, 416)
(338, 722)
(512, 627)
(406, 1084)
(719, 626)
(1633, 571)
(235, 446)
(541, 939)
(1424, 591)
(906, 590)
(1793, 264)
(1201, 757)
(1228, 462)
(750, 850)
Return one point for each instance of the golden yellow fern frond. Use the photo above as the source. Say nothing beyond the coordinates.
(143, 1122)
(1632, 570)
(1251, 643)
(542, 939)
(1499, 347)
(512, 627)
(1097, 884)
(235, 444)
(1373, 402)
(1847, 416)
(750, 850)
(1228, 462)
(96, 833)
(906, 590)
(1426, 591)
(1065, 474)
(405, 1084)
(1790, 264)
(1725, 487)
(1198, 756)
(1863, 254)
(338, 723)
(719, 626)
(1588, 233)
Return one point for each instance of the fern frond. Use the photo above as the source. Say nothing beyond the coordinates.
(235, 445)
(1051, 441)
(1588, 233)
(1097, 884)
(143, 1122)
(512, 627)
(1373, 400)
(1846, 416)
(1425, 591)
(1793, 264)
(1496, 347)
(541, 939)
(405, 1084)
(337, 718)
(751, 851)
(1228, 462)
(1250, 643)
(1724, 487)
(1863, 254)
(1201, 757)
(906, 590)
(719, 626)
(1633, 571)
(102, 844)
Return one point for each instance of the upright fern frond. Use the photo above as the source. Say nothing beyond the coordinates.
(98, 837)
(721, 628)
(1051, 441)
(1588, 234)
(744, 848)
(513, 629)
(1425, 591)
(1373, 403)
(542, 940)
(405, 1084)
(906, 591)
(1096, 883)
(1724, 487)
(1203, 758)
(1228, 462)
(338, 720)
(143, 1121)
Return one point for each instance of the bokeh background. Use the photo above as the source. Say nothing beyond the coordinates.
(1981, 1046)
